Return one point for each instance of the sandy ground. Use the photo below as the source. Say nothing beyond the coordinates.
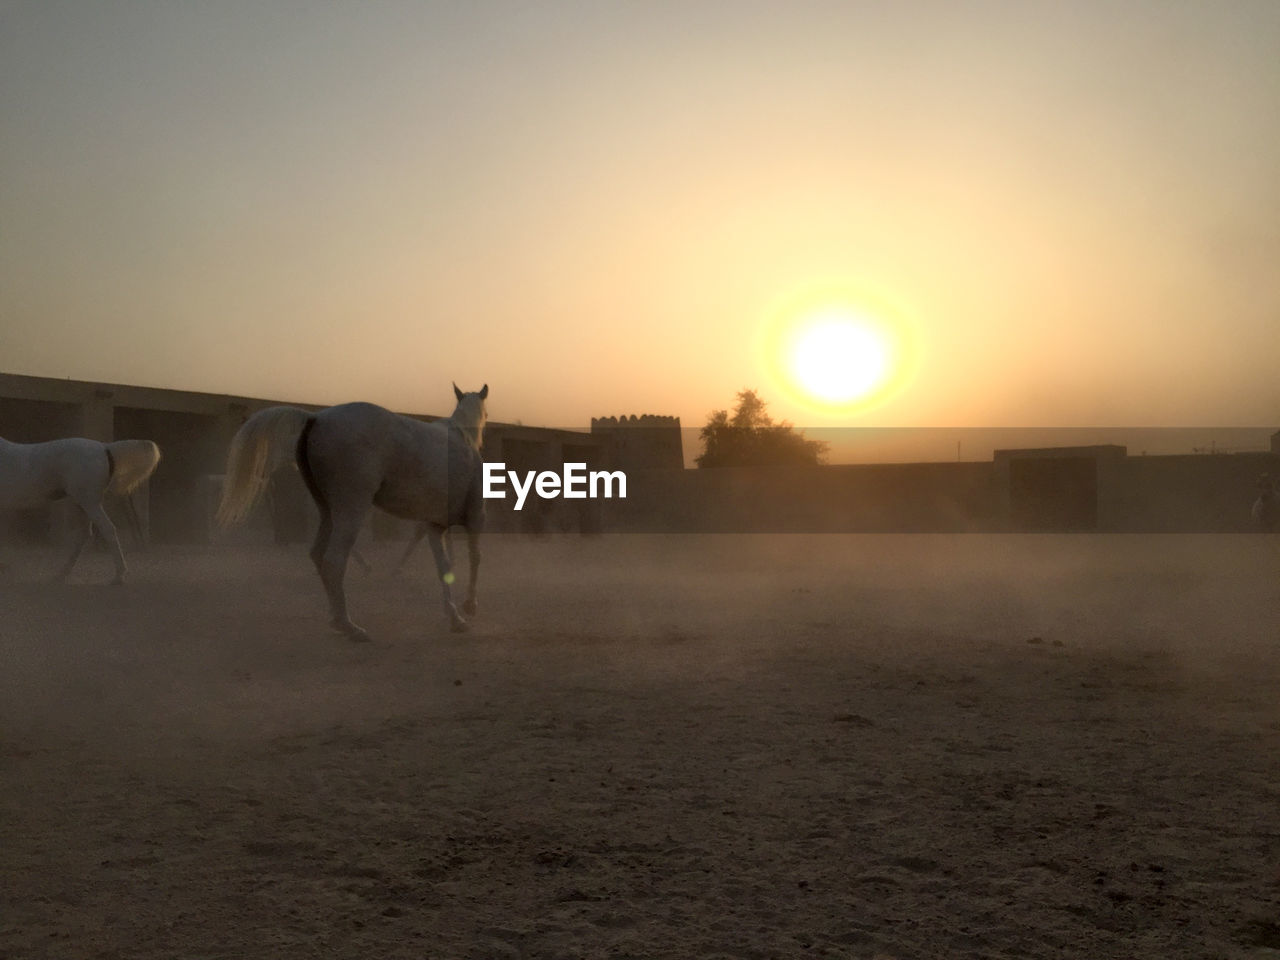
(840, 746)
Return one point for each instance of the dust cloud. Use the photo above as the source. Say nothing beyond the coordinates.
(659, 746)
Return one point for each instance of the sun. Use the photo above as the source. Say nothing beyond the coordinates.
(838, 358)
(836, 351)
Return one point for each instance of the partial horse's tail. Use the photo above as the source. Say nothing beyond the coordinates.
(267, 440)
(133, 461)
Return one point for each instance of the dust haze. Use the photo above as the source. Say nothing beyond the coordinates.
(649, 745)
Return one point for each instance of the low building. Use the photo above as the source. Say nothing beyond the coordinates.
(1054, 489)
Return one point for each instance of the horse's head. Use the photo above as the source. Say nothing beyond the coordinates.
(470, 413)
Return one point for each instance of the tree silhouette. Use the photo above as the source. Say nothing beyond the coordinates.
(750, 438)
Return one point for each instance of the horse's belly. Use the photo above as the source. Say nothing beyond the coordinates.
(27, 499)
(410, 502)
(22, 491)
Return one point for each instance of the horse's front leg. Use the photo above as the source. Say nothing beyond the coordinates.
(435, 538)
(473, 554)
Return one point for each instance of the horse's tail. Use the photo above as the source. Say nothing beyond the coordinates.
(132, 462)
(261, 446)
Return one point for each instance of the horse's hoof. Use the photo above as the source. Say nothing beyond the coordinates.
(351, 631)
(460, 626)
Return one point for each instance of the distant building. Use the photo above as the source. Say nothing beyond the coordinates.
(1055, 489)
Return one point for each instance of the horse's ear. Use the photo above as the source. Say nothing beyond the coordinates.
(484, 392)
(457, 393)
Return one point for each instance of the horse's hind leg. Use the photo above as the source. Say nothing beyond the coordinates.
(435, 539)
(333, 570)
(473, 555)
(107, 530)
(134, 521)
(321, 542)
(80, 538)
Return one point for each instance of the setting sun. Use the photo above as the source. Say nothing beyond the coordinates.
(837, 359)
(837, 355)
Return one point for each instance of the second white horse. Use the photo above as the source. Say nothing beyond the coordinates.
(33, 474)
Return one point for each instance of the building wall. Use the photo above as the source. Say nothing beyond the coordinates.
(875, 497)
(1196, 493)
(1059, 489)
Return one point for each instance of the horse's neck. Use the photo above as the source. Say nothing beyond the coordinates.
(472, 431)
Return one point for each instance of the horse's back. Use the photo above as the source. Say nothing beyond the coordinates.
(357, 415)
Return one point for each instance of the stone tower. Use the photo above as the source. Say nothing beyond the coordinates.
(646, 442)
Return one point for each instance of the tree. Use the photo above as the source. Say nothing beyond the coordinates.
(750, 438)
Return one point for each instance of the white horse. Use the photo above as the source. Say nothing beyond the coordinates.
(359, 455)
(33, 474)
(1266, 509)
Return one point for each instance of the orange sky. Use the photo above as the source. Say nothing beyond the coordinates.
(596, 208)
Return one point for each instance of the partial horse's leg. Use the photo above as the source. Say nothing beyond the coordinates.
(473, 554)
(333, 570)
(359, 558)
(419, 532)
(321, 542)
(107, 530)
(435, 538)
(81, 537)
(135, 521)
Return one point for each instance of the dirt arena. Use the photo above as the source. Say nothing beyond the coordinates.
(692, 747)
